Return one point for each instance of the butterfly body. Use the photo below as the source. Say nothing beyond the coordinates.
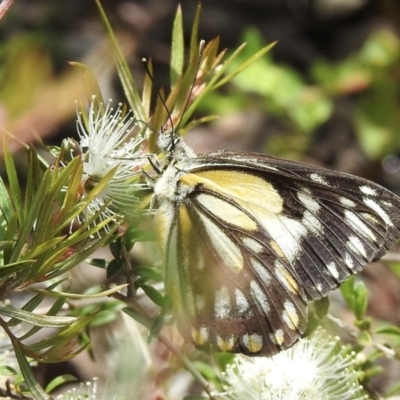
(249, 240)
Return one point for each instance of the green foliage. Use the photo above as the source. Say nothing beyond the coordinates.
(372, 72)
(37, 248)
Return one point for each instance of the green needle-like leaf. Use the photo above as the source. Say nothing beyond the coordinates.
(177, 49)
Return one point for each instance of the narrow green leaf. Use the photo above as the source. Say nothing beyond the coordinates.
(134, 235)
(6, 370)
(27, 373)
(104, 293)
(388, 330)
(82, 205)
(73, 188)
(6, 244)
(64, 336)
(361, 303)
(54, 310)
(60, 380)
(114, 267)
(154, 295)
(116, 248)
(209, 372)
(156, 328)
(177, 48)
(91, 84)
(50, 261)
(33, 179)
(31, 218)
(143, 320)
(7, 270)
(6, 206)
(43, 247)
(128, 83)
(347, 290)
(147, 90)
(148, 273)
(44, 321)
(59, 179)
(103, 317)
(83, 254)
(14, 194)
(98, 262)
(194, 40)
(29, 307)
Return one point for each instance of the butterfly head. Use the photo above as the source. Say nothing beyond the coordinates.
(173, 146)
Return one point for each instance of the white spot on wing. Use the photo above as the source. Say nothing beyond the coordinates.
(225, 344)
(379, 210)
(368, 190)
(358, 225)
(355, 244)
(348, 260)
(288, 234)
(222, 305)
(261, 271)
(344, 201)
(204, 332)
(225, 247)
(312, 223)
(277, 337)
(253, 342)
(318, 179)
(226, 211)
(242, 304)
(284, 277)
(258, 296)
(333, 270)
(253, 245)
(290, 316)
(308, 202)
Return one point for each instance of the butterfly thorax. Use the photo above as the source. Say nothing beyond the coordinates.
(177, 163)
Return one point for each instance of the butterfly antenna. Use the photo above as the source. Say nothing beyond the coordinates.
(199, 57)
(148, 72)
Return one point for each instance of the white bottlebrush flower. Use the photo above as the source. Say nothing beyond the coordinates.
(106, 142)
(87, 391)
(314, 368)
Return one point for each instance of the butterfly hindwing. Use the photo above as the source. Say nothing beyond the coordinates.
(228, 299)
(250, 239)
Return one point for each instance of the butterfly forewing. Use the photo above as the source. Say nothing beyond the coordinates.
(250, 239)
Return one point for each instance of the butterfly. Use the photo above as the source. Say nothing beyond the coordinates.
(250, 240)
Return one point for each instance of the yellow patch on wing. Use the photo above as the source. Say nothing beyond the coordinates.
(200, 336)
(225, 344)
(224, 245)
(285, 277)
(277, 337)
(246, 189)
(290, 316)
(185, 230)
(277, 249)
(227, 212)
(163, 221)
(253, 342)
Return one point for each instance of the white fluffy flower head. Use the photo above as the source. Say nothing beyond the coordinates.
(106, 144)
(314, 368)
